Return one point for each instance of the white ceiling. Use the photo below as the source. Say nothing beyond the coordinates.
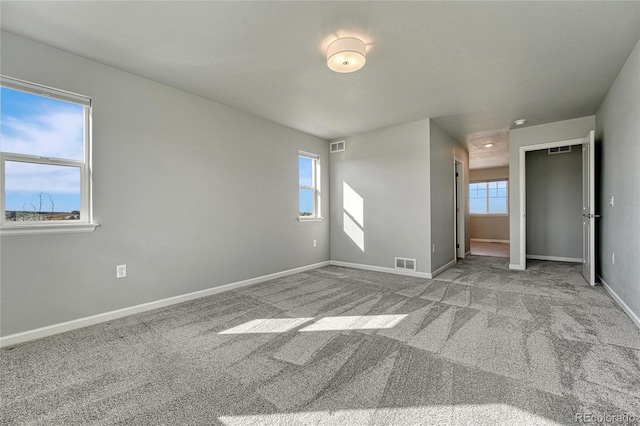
(473, 67)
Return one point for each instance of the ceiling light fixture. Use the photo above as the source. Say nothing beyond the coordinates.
(346, 54)
(488, 145)
(520, 122)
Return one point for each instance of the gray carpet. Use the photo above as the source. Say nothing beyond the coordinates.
(478, 345)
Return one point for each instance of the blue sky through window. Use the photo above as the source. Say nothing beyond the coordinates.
(488, 197)
(41, 126)
(305, 173)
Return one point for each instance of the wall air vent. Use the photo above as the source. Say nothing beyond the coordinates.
(337, 146)
(560, 149)
(406, 264)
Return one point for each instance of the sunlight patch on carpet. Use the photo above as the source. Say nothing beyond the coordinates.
(281, 325)
(361, 322)
(268, 325)
(479, 414)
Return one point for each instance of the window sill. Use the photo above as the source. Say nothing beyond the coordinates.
(489, 215)
(309, 219)
(49, 228)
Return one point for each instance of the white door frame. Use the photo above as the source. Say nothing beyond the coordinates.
(523, 192)
(588, 210)
(459, 196)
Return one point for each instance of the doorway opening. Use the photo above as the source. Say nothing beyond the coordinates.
(578, 245)
(459, 210)
(489, 208)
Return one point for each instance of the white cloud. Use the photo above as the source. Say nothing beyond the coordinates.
(56, 133)
(41, 177)
(46, 131)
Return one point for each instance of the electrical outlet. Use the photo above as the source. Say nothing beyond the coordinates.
(613, 258)
(315, 243)
(121, 271)
(611, 203)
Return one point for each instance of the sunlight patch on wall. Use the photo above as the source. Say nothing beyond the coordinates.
(353, 204)
(353, 215)
(353, 231)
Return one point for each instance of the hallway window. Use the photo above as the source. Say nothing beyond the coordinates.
(489, 197)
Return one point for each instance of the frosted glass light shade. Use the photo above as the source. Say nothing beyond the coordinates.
(346, 55)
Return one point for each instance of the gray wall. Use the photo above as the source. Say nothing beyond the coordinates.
(618, 146)
(389, 170)
(404, 175)
(489, 227)
(554, 203)
(551, 132)
(492, 173)
(190, 194)
(443, 149)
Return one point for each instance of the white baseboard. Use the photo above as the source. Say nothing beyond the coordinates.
(517, 267)
(467, 253)
(444, 268)
(554, 258)
(632, 315)
(483, 240)
(381, 269)
(50, 330)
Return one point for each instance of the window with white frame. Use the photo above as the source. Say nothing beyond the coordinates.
(44, 157)
(489, 197)
(309, 186)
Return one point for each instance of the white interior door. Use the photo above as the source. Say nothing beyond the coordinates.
(459, 210)
(588, 210)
